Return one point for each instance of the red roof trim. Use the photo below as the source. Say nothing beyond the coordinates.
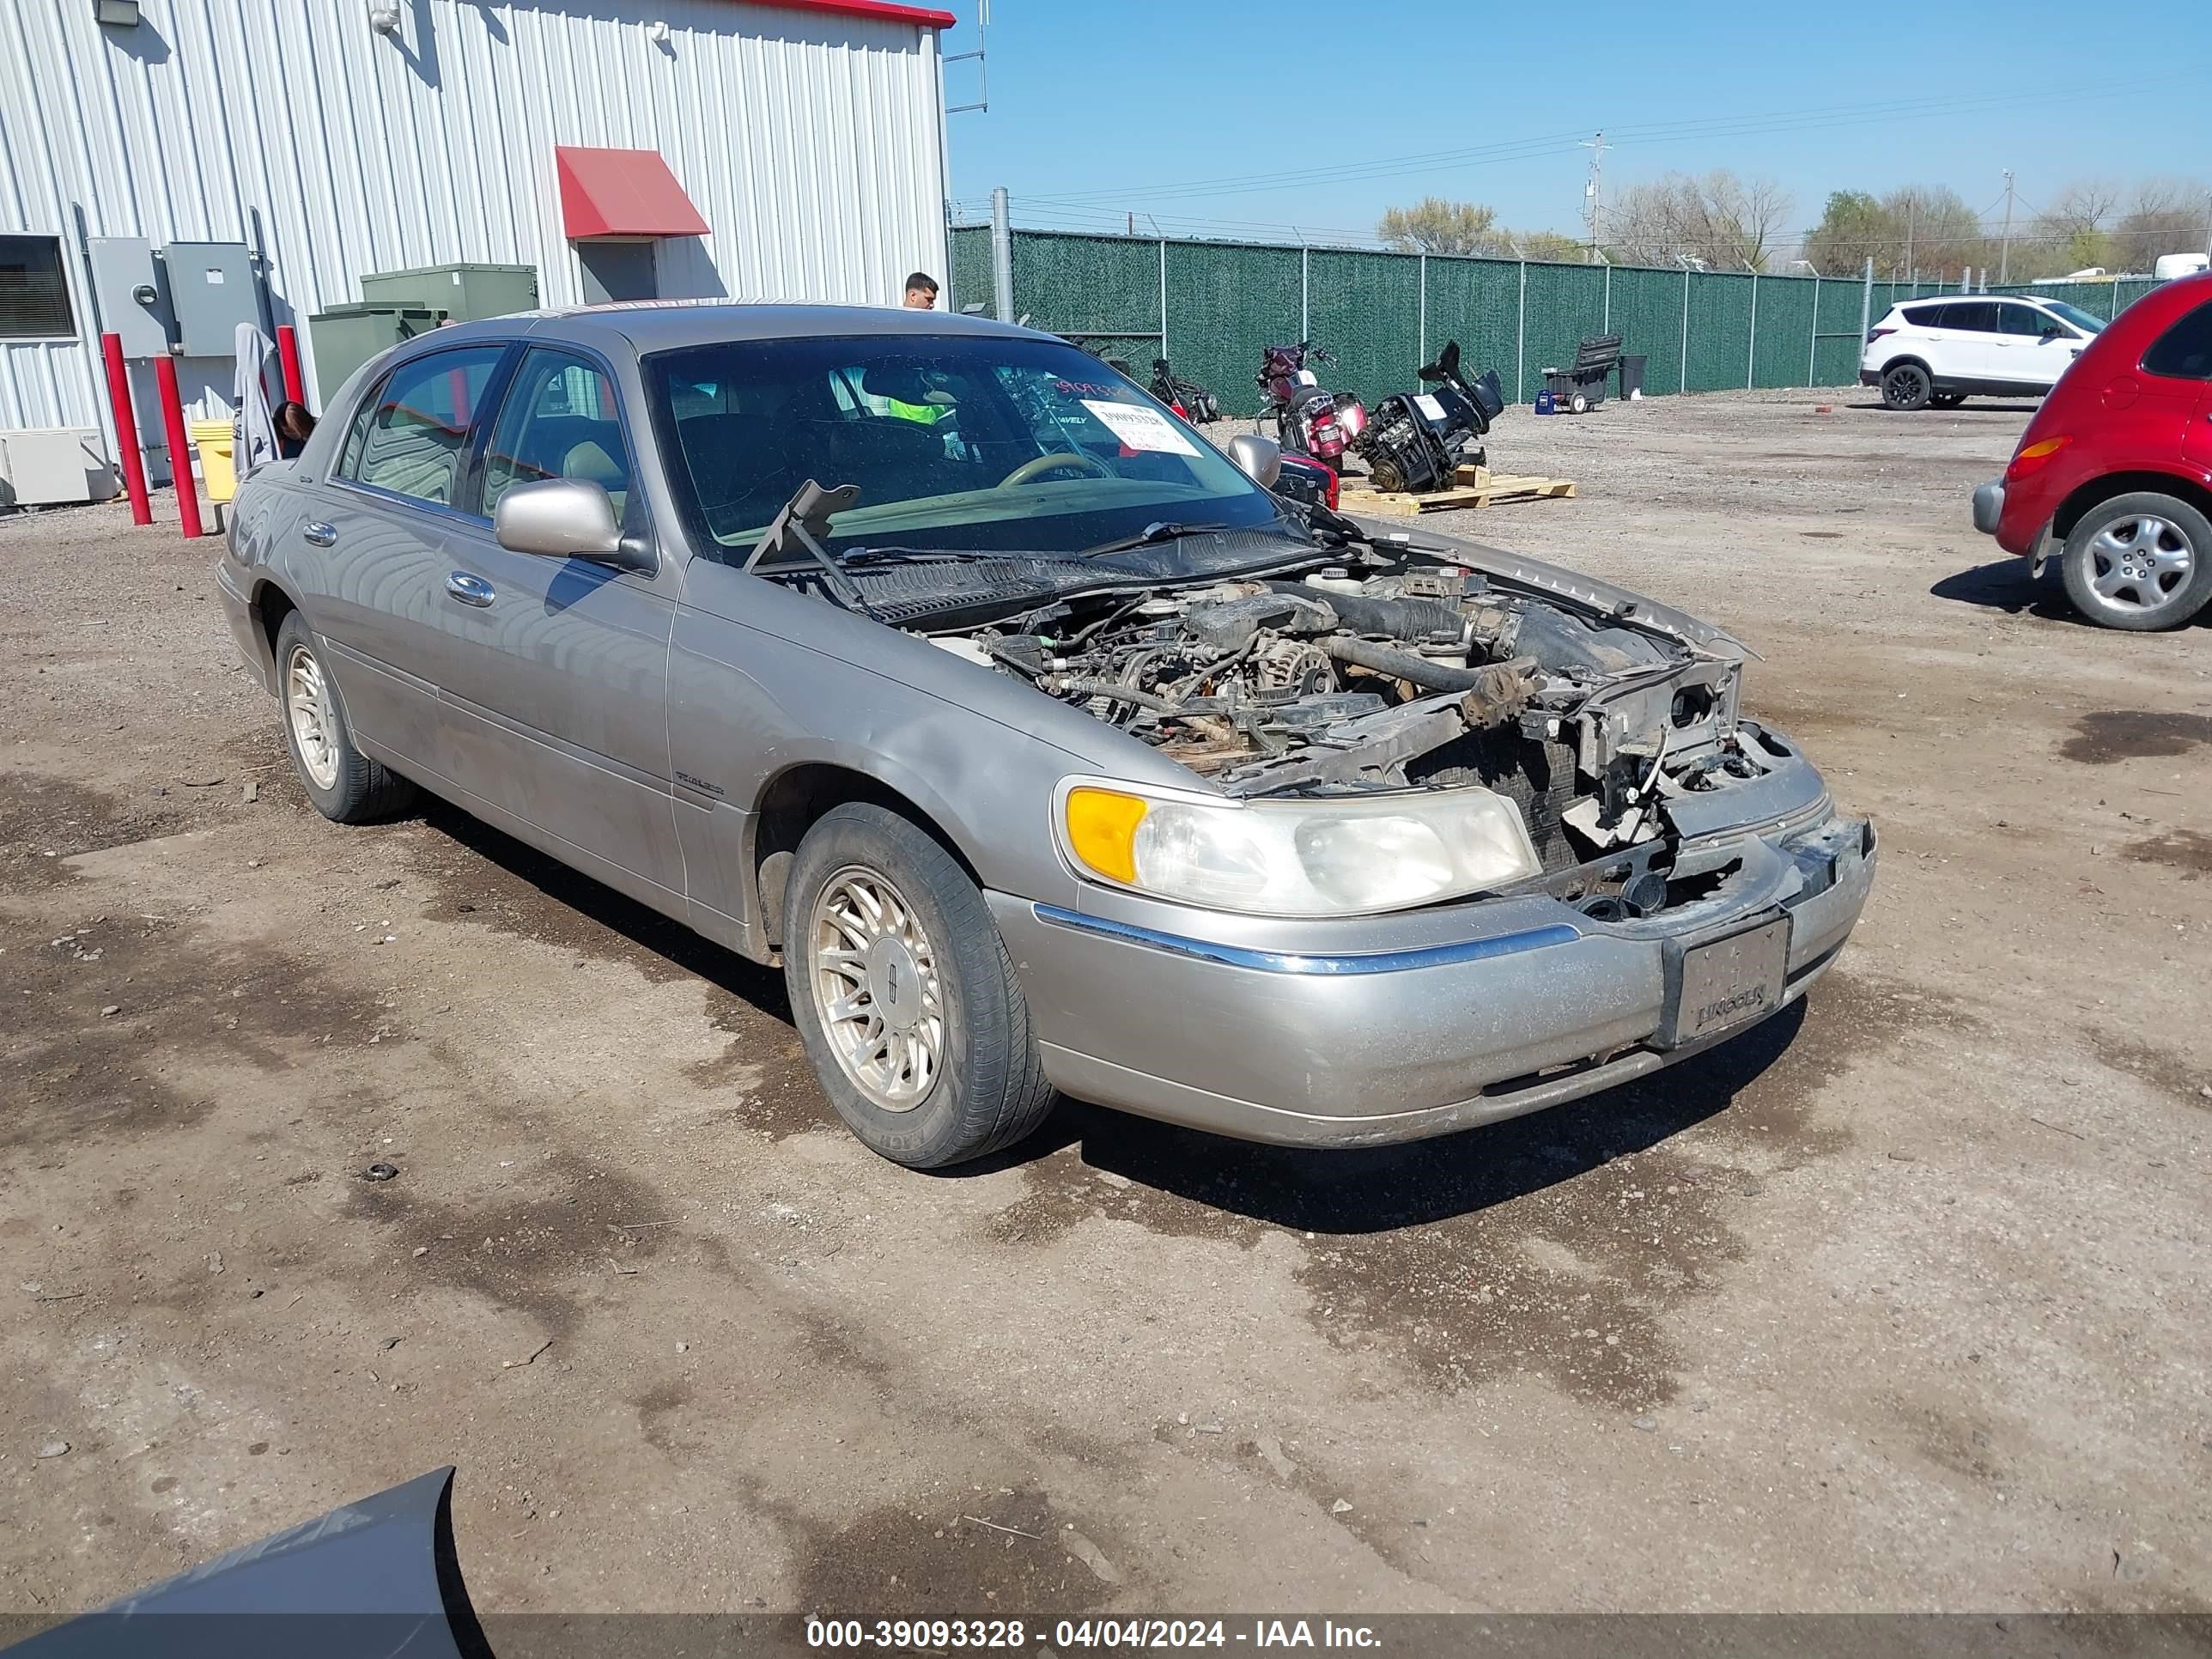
(621, 193)
(883, 11)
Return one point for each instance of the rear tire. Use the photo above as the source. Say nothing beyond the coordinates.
(1578, 404)
(904, 997)
(346, 785)
(1907, 387)
(2140, 561)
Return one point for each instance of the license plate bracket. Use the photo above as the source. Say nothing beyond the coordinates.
(1715, 986)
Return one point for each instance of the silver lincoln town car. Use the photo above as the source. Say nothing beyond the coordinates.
(1044, 746)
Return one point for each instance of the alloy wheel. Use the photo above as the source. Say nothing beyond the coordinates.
(2141, 564)
(874, 975)
(307, 706)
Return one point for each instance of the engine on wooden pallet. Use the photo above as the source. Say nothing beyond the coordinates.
(1416, 441)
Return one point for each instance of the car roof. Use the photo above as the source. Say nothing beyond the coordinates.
(650, 326)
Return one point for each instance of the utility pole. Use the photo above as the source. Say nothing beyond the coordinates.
(1596, 146)
(1912, 204)
(2004, 253)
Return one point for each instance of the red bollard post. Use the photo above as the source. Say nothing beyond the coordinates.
(126, 429)
(180, 454)
(288, 353)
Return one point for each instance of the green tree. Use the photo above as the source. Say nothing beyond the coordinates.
(1552, 245)
(1436, 226)
(1855, 225)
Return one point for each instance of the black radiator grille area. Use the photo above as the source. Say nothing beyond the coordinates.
(1535, 775)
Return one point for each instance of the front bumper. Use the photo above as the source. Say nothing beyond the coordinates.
(1535, 1004)
(1989, 506)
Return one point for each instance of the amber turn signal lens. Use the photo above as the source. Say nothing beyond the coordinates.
(1101, 832)
(2035, 456)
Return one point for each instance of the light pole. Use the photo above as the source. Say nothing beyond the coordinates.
(2004, 249)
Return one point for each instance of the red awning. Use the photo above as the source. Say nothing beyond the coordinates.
(886, 11)
(621, 193)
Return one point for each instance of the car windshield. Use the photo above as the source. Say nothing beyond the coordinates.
(975, 443)
(2088, 322)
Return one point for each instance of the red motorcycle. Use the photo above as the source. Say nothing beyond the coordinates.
(1309, 420)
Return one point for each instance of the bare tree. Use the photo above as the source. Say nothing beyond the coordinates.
(1934, 233)
(1720, 220)
(2164, 215)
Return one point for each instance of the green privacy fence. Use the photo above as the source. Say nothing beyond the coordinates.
(1212, 305)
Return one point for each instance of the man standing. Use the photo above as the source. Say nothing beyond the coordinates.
(921, 292)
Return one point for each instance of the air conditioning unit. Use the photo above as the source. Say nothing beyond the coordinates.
(48, 465)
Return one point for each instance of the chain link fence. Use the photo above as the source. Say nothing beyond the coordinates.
(1210, 306)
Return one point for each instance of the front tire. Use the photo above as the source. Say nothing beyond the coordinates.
(2140, 561)
(904, 997)
(1907, 387)
(346, 785)
(1948, 399)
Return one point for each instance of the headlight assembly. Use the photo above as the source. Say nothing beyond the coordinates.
(1337, 857)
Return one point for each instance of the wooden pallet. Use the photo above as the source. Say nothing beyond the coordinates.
(1472, 486)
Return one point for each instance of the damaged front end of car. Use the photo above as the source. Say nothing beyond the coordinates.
(1608, 727)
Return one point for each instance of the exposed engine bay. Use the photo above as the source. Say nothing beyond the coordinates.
(1397, 670)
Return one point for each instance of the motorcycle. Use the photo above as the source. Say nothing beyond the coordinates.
(1308, 419)
(1418, 440)
(1187, 398)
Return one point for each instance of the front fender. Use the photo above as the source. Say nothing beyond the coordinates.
(763, 680)
(379, 1576)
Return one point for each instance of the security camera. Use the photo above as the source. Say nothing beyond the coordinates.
(383, 17)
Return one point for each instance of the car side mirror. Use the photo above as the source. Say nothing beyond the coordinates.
(2050, 334)
(1259, 458)
(559, 519)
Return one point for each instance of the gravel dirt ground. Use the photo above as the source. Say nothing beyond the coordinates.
(1898, 1302)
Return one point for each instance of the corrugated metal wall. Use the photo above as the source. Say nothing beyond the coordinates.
(810, 142)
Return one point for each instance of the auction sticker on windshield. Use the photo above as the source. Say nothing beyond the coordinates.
(1140, 428)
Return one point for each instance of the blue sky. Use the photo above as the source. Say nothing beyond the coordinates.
(1109, 106)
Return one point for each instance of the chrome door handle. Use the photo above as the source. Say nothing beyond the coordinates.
(319, 535)
(469, 590)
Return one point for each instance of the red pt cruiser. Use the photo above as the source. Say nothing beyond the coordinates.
(2113, 476)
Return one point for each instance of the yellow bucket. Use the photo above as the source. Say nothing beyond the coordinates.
(218, 472)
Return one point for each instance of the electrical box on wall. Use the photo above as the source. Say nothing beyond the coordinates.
(126, 285)
(211, 291)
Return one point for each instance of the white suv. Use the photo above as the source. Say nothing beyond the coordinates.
(1941, 351)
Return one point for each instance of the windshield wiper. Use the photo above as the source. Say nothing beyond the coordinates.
(1162, 530)
(804, 520)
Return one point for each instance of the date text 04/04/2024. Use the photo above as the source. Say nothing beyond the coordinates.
(1089, 1635)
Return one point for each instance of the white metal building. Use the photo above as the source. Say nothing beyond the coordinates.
(338, 138)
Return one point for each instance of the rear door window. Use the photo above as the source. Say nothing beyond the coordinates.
(2183, 352)
(411, 436)
(1971, 316)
